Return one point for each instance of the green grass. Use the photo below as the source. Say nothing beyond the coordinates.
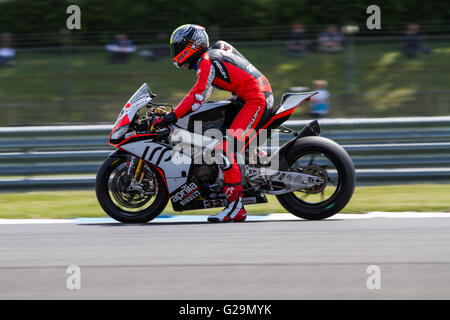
(82, 87)
(72, 204)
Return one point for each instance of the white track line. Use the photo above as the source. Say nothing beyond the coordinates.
(270, 217)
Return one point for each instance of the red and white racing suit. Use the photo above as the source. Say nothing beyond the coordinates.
(222, 66)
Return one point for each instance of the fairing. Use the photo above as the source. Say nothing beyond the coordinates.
(137, 101)
(174, 166)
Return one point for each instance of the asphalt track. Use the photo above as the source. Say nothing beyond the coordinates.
(260, 259)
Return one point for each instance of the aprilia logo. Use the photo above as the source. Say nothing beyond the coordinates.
(186, 190)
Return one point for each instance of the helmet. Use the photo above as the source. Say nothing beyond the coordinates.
(187, 44)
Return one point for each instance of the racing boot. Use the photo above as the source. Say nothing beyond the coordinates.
(234, 211)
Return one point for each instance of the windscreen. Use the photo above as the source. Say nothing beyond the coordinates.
(143, 90)
(138, 100)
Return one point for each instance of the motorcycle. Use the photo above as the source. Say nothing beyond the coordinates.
(314, 177)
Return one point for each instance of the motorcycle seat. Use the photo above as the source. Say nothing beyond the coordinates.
(290, 100)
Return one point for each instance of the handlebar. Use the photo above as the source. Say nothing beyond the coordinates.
(162, 133)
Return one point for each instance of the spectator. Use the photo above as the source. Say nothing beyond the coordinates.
(330, 40)
(7, 53)
(319, 103)
(120, 49)
(412, 47)
(163, 50)
(297, 46)
(158, 51)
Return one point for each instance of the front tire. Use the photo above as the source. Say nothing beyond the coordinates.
(345, 172)
(118, 210)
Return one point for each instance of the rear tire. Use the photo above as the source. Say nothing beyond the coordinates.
(344, 191)
(119, 214)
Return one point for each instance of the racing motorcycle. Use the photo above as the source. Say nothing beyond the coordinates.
(314, 177)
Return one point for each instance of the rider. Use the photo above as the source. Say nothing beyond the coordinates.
(224, 67)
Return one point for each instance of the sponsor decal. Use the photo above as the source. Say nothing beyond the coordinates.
(153, 153)
(220, 68)
(181, 56)
(226, 47)
(214, 203)
(221, 202)
(186, 194)
(195, 106)
(249, 200)
(251, 122)
(269, 101)
(223, 73)
(199, 97)
(191, 197)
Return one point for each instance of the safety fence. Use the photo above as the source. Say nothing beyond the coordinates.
(384, 150)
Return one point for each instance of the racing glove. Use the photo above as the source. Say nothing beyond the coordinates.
(163, 122)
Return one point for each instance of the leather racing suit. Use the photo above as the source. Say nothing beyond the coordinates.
(223, 67)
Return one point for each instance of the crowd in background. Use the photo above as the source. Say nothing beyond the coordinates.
(7, 53)
(299, 45)
(332, 40)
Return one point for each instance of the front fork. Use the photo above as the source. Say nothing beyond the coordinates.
(139, 173)
(138, 177)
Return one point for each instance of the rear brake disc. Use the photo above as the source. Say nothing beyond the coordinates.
(317, 171)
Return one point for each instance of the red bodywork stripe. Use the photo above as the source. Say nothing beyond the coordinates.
(280, 115)
(189, 193)
(129, 138)
(125, 120)
(162, 175)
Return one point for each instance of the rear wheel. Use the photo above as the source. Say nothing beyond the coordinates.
(126, 201)
(323, 158)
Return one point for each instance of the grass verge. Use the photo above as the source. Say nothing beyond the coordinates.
(73, 204)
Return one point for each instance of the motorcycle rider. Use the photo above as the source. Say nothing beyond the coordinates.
(222, 66)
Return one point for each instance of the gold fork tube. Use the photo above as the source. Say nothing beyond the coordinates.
(142, 177)
(139, 167)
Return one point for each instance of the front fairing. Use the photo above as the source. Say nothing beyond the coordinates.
(138, 100)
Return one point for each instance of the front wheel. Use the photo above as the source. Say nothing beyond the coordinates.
(124, 200)
(326, 159)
